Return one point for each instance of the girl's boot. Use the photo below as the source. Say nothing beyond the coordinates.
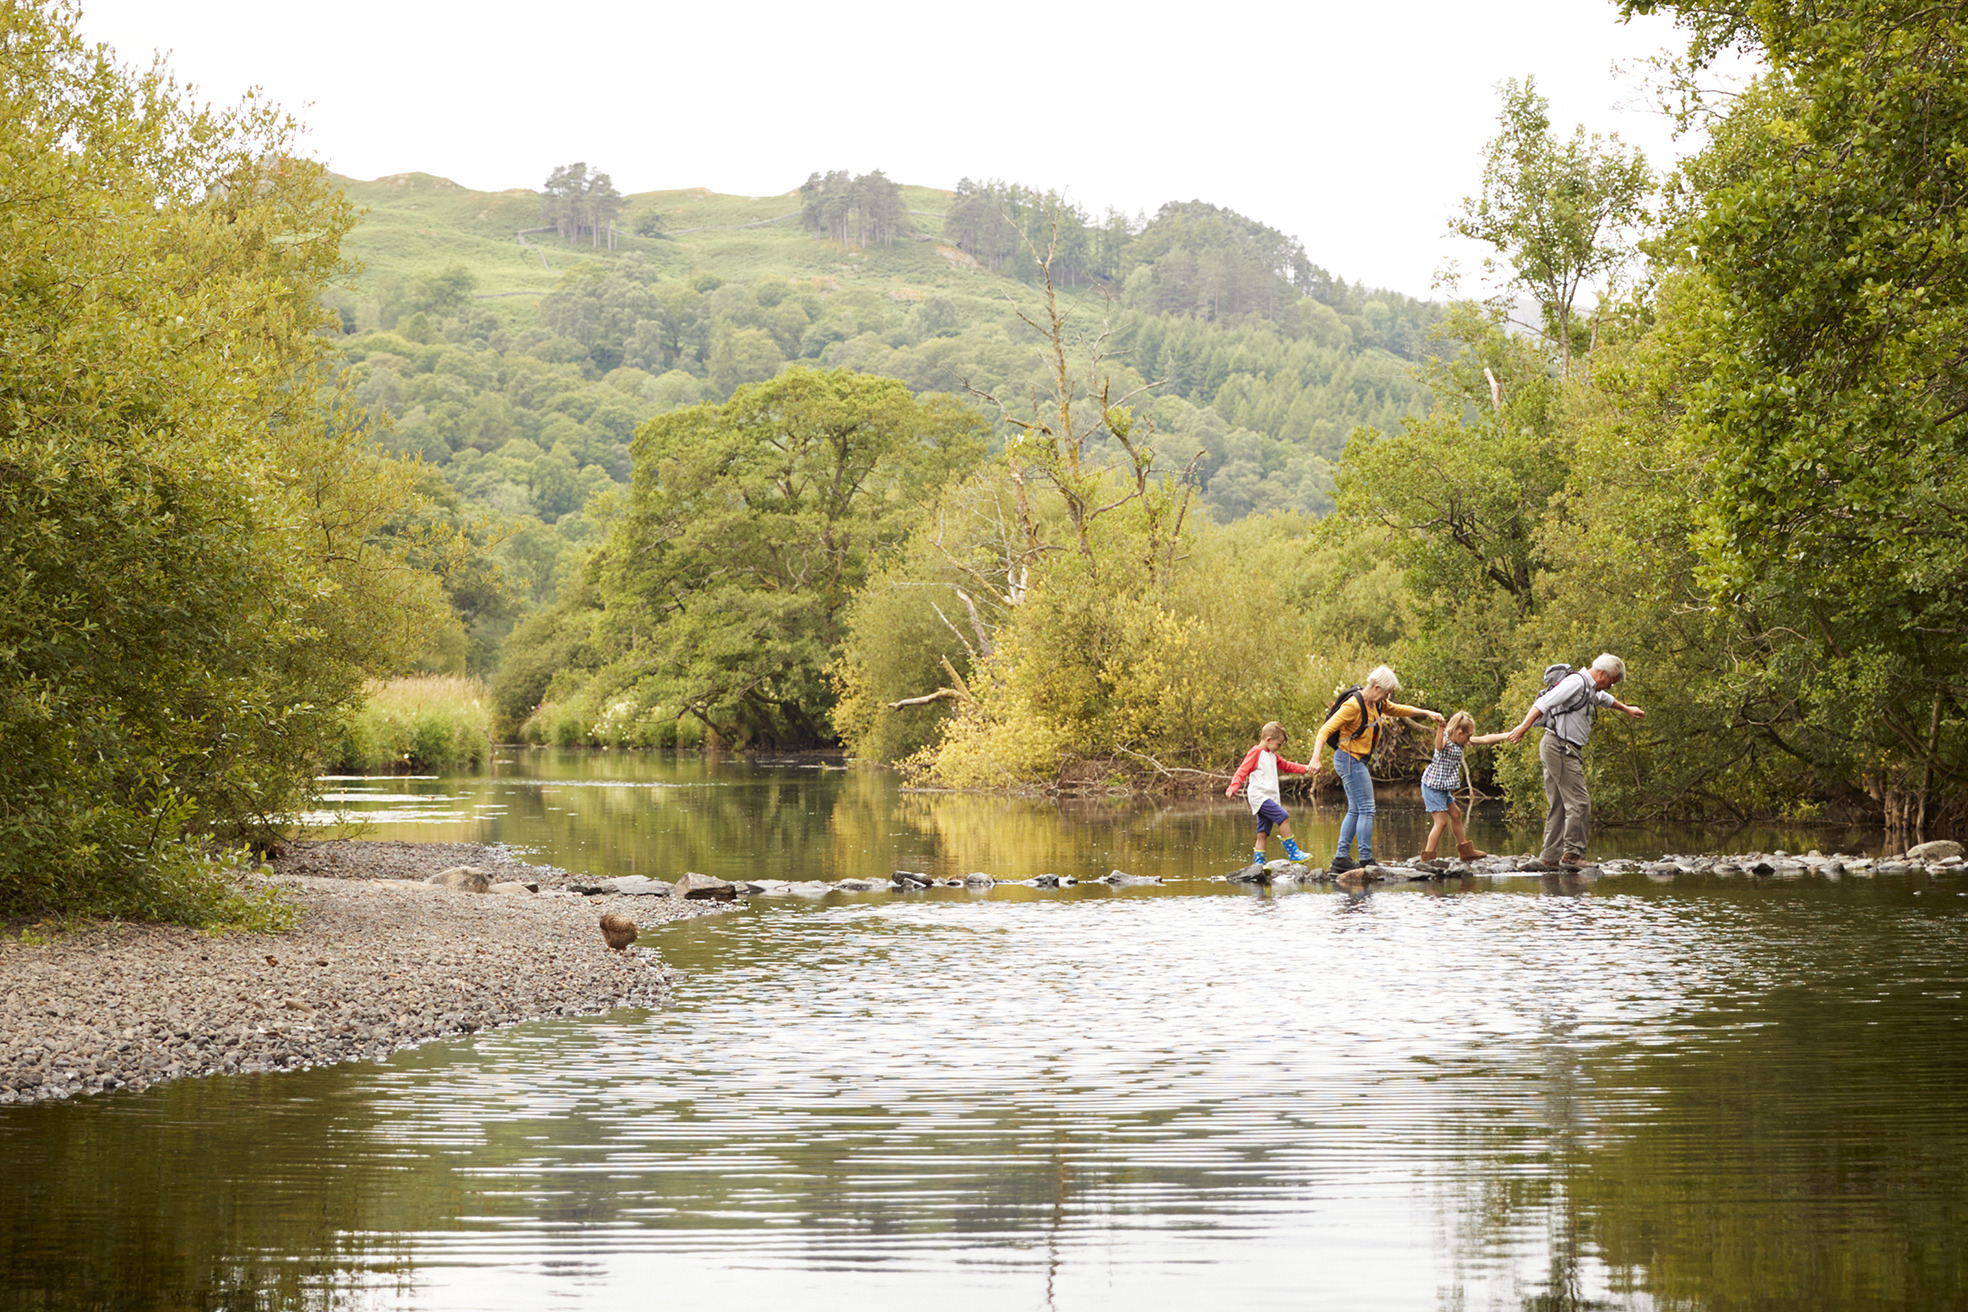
(1427, 853)
(1468, 851)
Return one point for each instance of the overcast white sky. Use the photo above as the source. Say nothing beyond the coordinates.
(1356, 127)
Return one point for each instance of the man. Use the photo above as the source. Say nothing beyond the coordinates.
(1566, 709)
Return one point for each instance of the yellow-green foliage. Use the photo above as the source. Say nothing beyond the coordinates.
(1250, 628)
(426, 724)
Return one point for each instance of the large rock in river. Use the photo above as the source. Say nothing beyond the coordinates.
(1938, 850)
(703, 888)
(466, 879)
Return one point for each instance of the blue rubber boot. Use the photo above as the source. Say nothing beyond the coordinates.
(1293, 852)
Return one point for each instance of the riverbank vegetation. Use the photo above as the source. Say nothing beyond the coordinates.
(418, 724)
(202, 554)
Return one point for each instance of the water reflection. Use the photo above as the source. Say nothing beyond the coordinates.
(1623, 1094)
(659, 813)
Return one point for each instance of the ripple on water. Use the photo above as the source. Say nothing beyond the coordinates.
(1400, 1099)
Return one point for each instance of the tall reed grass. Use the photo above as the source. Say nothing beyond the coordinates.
(427, 724)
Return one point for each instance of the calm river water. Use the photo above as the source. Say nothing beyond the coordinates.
(1692, 1094)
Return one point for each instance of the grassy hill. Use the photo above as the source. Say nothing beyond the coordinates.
(416, 224)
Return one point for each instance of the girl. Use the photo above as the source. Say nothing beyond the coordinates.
(1440, 779)
(1352, 729)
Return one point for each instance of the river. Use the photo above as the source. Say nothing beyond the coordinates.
(1629, 1093)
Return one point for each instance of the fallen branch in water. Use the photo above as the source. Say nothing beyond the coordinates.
(1180, 769)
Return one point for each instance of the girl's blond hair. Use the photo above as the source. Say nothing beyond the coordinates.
(1460, 720)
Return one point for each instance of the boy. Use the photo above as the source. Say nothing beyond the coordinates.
(1261, 767)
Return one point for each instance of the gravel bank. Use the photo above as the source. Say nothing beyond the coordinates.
(380, 961)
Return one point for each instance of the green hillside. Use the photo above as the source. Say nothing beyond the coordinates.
(518, 362)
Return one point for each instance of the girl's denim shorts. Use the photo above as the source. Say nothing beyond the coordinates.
(1433, 799)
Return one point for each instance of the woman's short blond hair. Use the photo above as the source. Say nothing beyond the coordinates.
(1460, 720)
(1384, 679)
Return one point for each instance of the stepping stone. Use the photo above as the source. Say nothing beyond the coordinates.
(637, 886)
(1122, 879)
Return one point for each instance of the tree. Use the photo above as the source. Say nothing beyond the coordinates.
(1200, 259)
(199, 555)
(1465, 494)
(859, 210)
(446, 293)
(578, 199)
(1830, 225)
(1555, 211)
(743, 355)
(750, 526)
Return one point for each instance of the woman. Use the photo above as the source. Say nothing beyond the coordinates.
(1353, 731)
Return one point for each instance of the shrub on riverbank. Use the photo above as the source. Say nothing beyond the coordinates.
(429, 724)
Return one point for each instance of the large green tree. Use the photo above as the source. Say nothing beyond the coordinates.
(1464, 494)
(751, 524)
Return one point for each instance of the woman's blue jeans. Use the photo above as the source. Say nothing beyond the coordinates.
(1358, 782)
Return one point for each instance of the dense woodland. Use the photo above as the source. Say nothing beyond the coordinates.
(973, 481)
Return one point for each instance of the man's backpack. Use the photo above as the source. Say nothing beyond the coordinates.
(1358, 693)
(1557, 672)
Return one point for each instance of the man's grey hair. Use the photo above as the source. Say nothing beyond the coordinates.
(1384, 679)
(1607, 663)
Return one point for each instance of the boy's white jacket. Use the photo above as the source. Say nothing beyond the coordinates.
(1260, 773)
(1263, 781)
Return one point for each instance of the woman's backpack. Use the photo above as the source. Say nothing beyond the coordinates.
(1358, 693)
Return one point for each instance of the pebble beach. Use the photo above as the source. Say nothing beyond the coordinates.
(380, 961)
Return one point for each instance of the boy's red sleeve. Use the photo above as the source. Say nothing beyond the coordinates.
(1243, 771)
(1291, 767)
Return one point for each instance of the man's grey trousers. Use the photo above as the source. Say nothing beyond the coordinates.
(1567, 806)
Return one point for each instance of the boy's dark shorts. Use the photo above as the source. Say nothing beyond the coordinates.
(1270, 813)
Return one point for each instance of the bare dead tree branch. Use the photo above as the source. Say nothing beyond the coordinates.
(940, 695)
